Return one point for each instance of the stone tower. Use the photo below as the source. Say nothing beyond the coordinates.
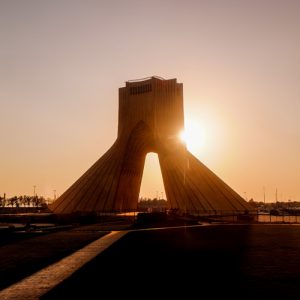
(150, 119)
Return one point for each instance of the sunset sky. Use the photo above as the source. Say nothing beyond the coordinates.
(62, 62)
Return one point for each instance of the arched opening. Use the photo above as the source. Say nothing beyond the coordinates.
(152, 195)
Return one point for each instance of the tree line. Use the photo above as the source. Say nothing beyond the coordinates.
(23, 201)
(145, 203)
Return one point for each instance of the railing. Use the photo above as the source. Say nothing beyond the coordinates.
(146, 78)
(268, 218)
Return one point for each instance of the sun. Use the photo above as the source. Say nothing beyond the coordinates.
(193, 136)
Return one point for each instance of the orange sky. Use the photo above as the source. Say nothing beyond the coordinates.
(62, 62)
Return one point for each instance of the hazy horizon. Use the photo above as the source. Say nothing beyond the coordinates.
(62, 62)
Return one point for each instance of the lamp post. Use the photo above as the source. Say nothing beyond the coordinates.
(289, 208)
(34, 190)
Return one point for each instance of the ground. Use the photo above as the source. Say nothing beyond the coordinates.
(235, 261)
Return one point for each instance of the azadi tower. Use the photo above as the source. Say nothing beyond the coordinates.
(150, 118)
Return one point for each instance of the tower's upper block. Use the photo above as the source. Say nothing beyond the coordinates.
(155, 101)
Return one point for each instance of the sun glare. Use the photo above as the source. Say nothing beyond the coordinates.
(193, 136)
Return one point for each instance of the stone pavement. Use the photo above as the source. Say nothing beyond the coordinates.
(44, 280)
